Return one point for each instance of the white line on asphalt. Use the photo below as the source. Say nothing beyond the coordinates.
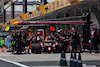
(16, 63)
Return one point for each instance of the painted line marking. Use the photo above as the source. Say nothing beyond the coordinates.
(15, 63)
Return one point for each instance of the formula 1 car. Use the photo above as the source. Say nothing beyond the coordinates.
(47, 46)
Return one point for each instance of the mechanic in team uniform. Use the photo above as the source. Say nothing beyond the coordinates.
(92, 40)
(96, 40)
(23, 41)
(13, 42)
(18, 39)
(39, 37)
(63, 41)
(57, 37)
(68, 35)
(75, 39)
(30, 39)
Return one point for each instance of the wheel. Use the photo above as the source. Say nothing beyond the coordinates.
(59, 47)
(33, 47)
(37, 48)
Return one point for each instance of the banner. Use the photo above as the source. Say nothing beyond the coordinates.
(4, 25)
(23, 16)
(28, 16)
(17, 19)
(53, 6)
(41, 9)
(58, 4)
(74, 2)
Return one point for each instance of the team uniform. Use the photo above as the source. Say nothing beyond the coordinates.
(76, 40)
(96, 39)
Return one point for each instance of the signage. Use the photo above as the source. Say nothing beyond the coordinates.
(52, 28)
(55, 5)
(74, 2)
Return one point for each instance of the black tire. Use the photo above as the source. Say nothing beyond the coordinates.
(33, 47)
(59, 47)
(37, 48)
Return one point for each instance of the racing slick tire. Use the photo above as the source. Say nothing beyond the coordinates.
(59, 47)
(33, 47)
(37, 48)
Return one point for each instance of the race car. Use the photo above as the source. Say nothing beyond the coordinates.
(46, 46)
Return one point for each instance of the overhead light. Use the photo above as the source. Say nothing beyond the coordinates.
(46, 8)
(30, 12)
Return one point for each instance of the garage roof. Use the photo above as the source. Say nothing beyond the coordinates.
(3, 1)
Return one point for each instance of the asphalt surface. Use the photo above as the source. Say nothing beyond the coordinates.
(56, 63)
(6, 64)
(46, 60)
(42, 63)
